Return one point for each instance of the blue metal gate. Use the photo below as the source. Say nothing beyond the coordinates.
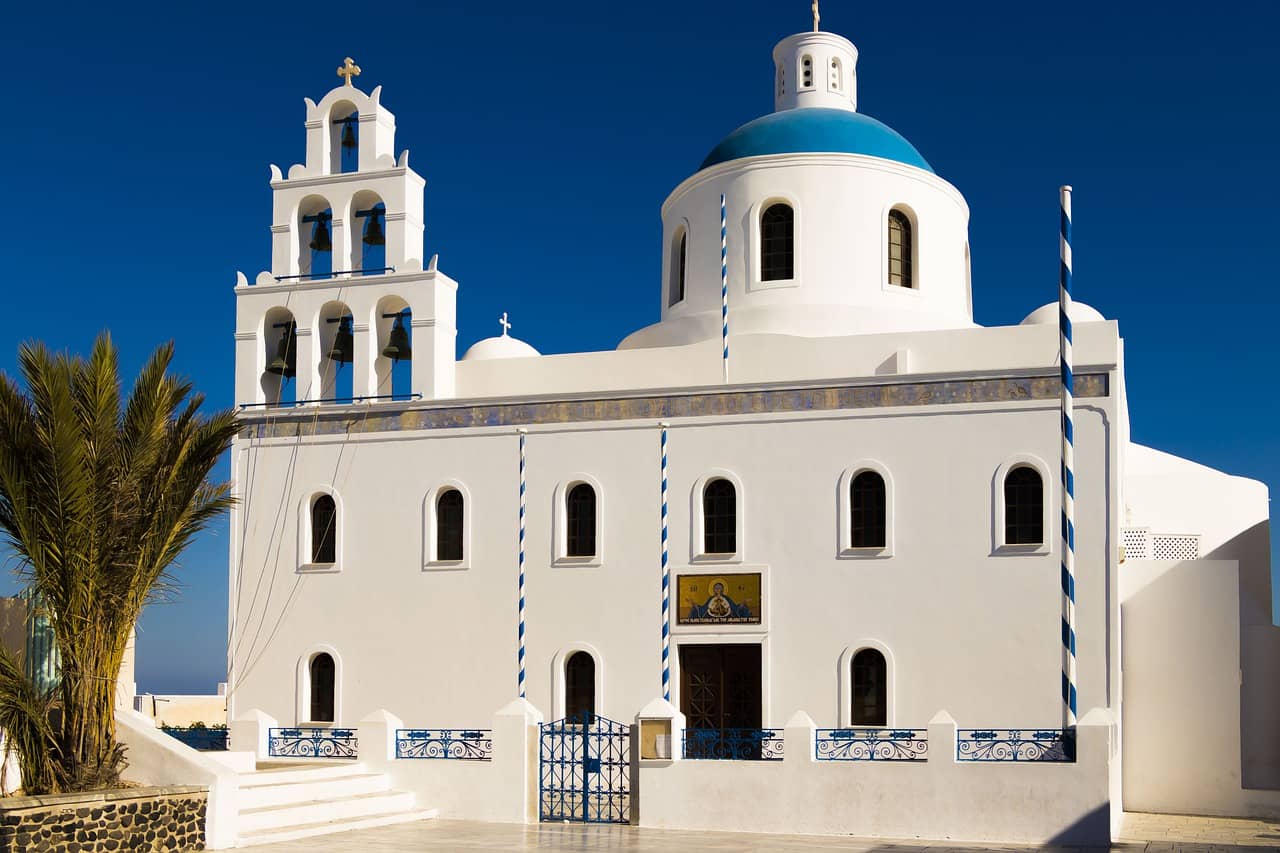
(585, 770)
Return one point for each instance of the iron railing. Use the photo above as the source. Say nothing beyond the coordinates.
(872, 745)
(325, 276)
(203, 739)
(312, 743)
(1016, 745)
(734, 744)
(350, 400)
(459, 744)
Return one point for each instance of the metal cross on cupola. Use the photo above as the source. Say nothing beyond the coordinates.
(348, 70)
(503, 322)
(816, 19)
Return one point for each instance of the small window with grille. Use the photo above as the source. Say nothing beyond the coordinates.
(324, 534)
(867, 510)
(901, 250)
(777, 243)
(449, 527)
(719, 518)
(679, 263)
(806, 72)
(1023, 507)
(580, 688)
(870, 692)
(580, 521)
(837, 75)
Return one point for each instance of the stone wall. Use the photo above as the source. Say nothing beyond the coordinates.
(150, 819)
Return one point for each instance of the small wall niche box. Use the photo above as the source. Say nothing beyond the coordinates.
(655, 739)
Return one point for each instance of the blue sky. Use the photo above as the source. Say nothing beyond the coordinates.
(136, 176)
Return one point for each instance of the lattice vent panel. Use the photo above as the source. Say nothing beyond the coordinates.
(1137, 543)
(1175, 547)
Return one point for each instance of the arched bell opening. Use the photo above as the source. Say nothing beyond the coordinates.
(344, 138)
(315, 238)
(280, 357)
(336, 352)
(368, 233)
(393, 364)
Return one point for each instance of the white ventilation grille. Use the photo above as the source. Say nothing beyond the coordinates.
(1175, 547)
(1136, 542)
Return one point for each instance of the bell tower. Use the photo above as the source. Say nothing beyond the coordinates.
(348, 312)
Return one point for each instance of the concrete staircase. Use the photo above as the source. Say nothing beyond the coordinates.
(285, 801)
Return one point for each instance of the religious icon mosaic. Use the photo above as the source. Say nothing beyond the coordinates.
(718, 599)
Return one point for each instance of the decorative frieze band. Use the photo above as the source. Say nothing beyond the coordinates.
(305, 421)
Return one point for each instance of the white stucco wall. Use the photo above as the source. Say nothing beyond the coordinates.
(970, 627)
(1201, 657)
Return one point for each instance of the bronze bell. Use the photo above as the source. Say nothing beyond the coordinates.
(397, 348)
(320, 237)
(349, 132)
(286, 361)
(344, 345)
(373, 233)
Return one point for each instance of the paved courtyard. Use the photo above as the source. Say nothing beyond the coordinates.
(1143, 833)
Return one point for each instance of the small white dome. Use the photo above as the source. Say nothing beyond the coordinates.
(500, 346)
(1046, 314)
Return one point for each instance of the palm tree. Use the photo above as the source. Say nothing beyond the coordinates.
(97, 501)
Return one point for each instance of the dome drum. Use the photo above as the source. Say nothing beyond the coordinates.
(840, 282)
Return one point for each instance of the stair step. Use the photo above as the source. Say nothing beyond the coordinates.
(324, 788)
(278, 774)
(309, 830)
(319, 811)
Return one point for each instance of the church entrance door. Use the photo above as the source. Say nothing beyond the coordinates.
(720, 699)
(584, 770)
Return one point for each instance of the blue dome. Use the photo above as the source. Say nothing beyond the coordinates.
(812, 130)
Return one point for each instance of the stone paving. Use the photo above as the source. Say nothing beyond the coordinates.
(1142, 833)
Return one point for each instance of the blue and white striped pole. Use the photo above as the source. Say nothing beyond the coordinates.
(724, 287)
(1068, 470)
(520, 658)
(666, 579)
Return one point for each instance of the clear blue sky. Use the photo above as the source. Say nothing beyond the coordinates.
(138, 138)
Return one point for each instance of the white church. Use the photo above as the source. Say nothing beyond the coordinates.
(787, 560)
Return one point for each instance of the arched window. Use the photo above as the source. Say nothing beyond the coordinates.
(449, 510)
(580, 687)
(1023, 507)
(322, 686)
(870, 693)
(777, 243)
(719, 518)
(867, 510)
(837, 83)
(900, 249)
(580, 521)
(806, 73)
(324, 530)
(679, 262)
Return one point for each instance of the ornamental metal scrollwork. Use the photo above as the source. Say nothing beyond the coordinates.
(457, 744)
(872, 745)
(1016, 745)
(734, 744)
(312, 743)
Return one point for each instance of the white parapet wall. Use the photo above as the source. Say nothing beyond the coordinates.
(501, 789)
(1070, 803)
(155, 758)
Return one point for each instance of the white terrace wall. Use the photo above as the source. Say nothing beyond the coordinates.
(1072, 803)
(1012, 802)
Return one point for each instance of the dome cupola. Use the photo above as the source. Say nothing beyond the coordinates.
(815, 70)
(834, 223)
